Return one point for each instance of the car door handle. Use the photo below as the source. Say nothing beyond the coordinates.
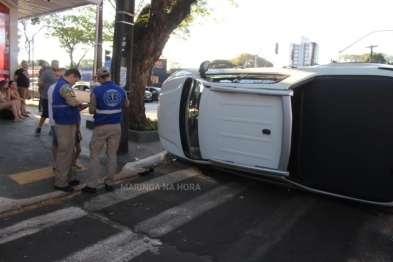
(266, 132)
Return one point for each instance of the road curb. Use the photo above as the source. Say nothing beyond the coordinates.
(130, 169)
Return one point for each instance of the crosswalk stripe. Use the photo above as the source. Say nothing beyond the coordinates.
(36, 224)
(175, 217)
(120, 247)
(120, 195)
(126, 245)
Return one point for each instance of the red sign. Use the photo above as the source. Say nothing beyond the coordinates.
(4, 42)
(158, 64)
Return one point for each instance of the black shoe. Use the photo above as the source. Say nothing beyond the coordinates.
(38, 131)
(109, 188)
(73, 182)
(65, 189)
(90, 190)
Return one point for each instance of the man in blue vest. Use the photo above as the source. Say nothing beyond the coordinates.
(106, 103)
(66, 115)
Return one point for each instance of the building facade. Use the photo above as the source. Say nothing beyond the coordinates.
(304, 54)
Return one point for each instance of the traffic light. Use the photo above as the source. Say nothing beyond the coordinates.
(276, 50)
(107, 55)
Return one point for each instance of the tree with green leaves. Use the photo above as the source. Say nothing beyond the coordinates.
(156, 22)
(76, 31)
(365, 58)
(221, 63)
(377, 58)
(26, 28)
(247, 60)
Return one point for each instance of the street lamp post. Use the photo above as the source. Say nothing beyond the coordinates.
(339, 52)
(32, 53)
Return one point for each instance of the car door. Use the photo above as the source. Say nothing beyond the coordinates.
(238, 126)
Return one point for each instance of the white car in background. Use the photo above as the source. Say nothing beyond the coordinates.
(82, 91)
(326, 129)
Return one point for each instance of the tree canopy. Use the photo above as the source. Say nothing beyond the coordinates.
(156, 22)
(365, 58)
(247, 60)
(221, 63)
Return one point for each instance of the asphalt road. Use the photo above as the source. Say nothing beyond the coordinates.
(183, 212)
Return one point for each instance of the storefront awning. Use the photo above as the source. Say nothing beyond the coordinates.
(33, 8)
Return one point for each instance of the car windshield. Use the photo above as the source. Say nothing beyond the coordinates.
(246, 78)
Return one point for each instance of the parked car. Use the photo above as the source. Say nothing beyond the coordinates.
(148, 96)
(155, 91)
(326, 129)
(82, 91)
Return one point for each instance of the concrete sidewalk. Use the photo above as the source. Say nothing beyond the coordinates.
(26, 161)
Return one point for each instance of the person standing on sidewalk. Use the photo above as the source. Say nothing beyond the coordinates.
(66, 115)
(106, 102)
(22, 80)
(47, 78)
(44, 66)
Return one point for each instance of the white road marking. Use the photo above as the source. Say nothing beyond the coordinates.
(177, 216)
(127, 245)
(119, 195)
(36, 224)
(120, 247)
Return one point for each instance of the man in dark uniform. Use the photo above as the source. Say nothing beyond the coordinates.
(22, 80)
(106, 102)
(66, 115)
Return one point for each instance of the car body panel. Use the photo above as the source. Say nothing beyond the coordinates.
(169, 129)
(148, 96)
(325, 129)
(82, 91)
(234, 132)
(155, 91)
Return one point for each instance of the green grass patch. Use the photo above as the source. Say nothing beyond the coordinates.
(150, 125)
(34, 105)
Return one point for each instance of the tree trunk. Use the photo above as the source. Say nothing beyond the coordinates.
(151, 34)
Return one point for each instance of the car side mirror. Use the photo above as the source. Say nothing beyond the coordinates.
(203, 68)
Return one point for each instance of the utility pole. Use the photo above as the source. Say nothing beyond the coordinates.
(122, 57)
(99, 43)
(371, 52)
(98, 39)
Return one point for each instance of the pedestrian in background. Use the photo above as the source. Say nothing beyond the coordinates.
(47, 78)
(94, 83)
(66, 115)
(106, 102)
(22, 80)
(59, 74)
(44, 66)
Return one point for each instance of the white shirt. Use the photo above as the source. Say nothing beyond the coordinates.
(50, 100)
(94, 84)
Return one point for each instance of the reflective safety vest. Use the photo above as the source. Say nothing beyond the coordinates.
(110, 98)
(63, 114)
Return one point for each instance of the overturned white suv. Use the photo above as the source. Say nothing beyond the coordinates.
(326, 129)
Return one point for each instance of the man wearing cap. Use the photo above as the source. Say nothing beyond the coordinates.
(106, 102)
(66, 115)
